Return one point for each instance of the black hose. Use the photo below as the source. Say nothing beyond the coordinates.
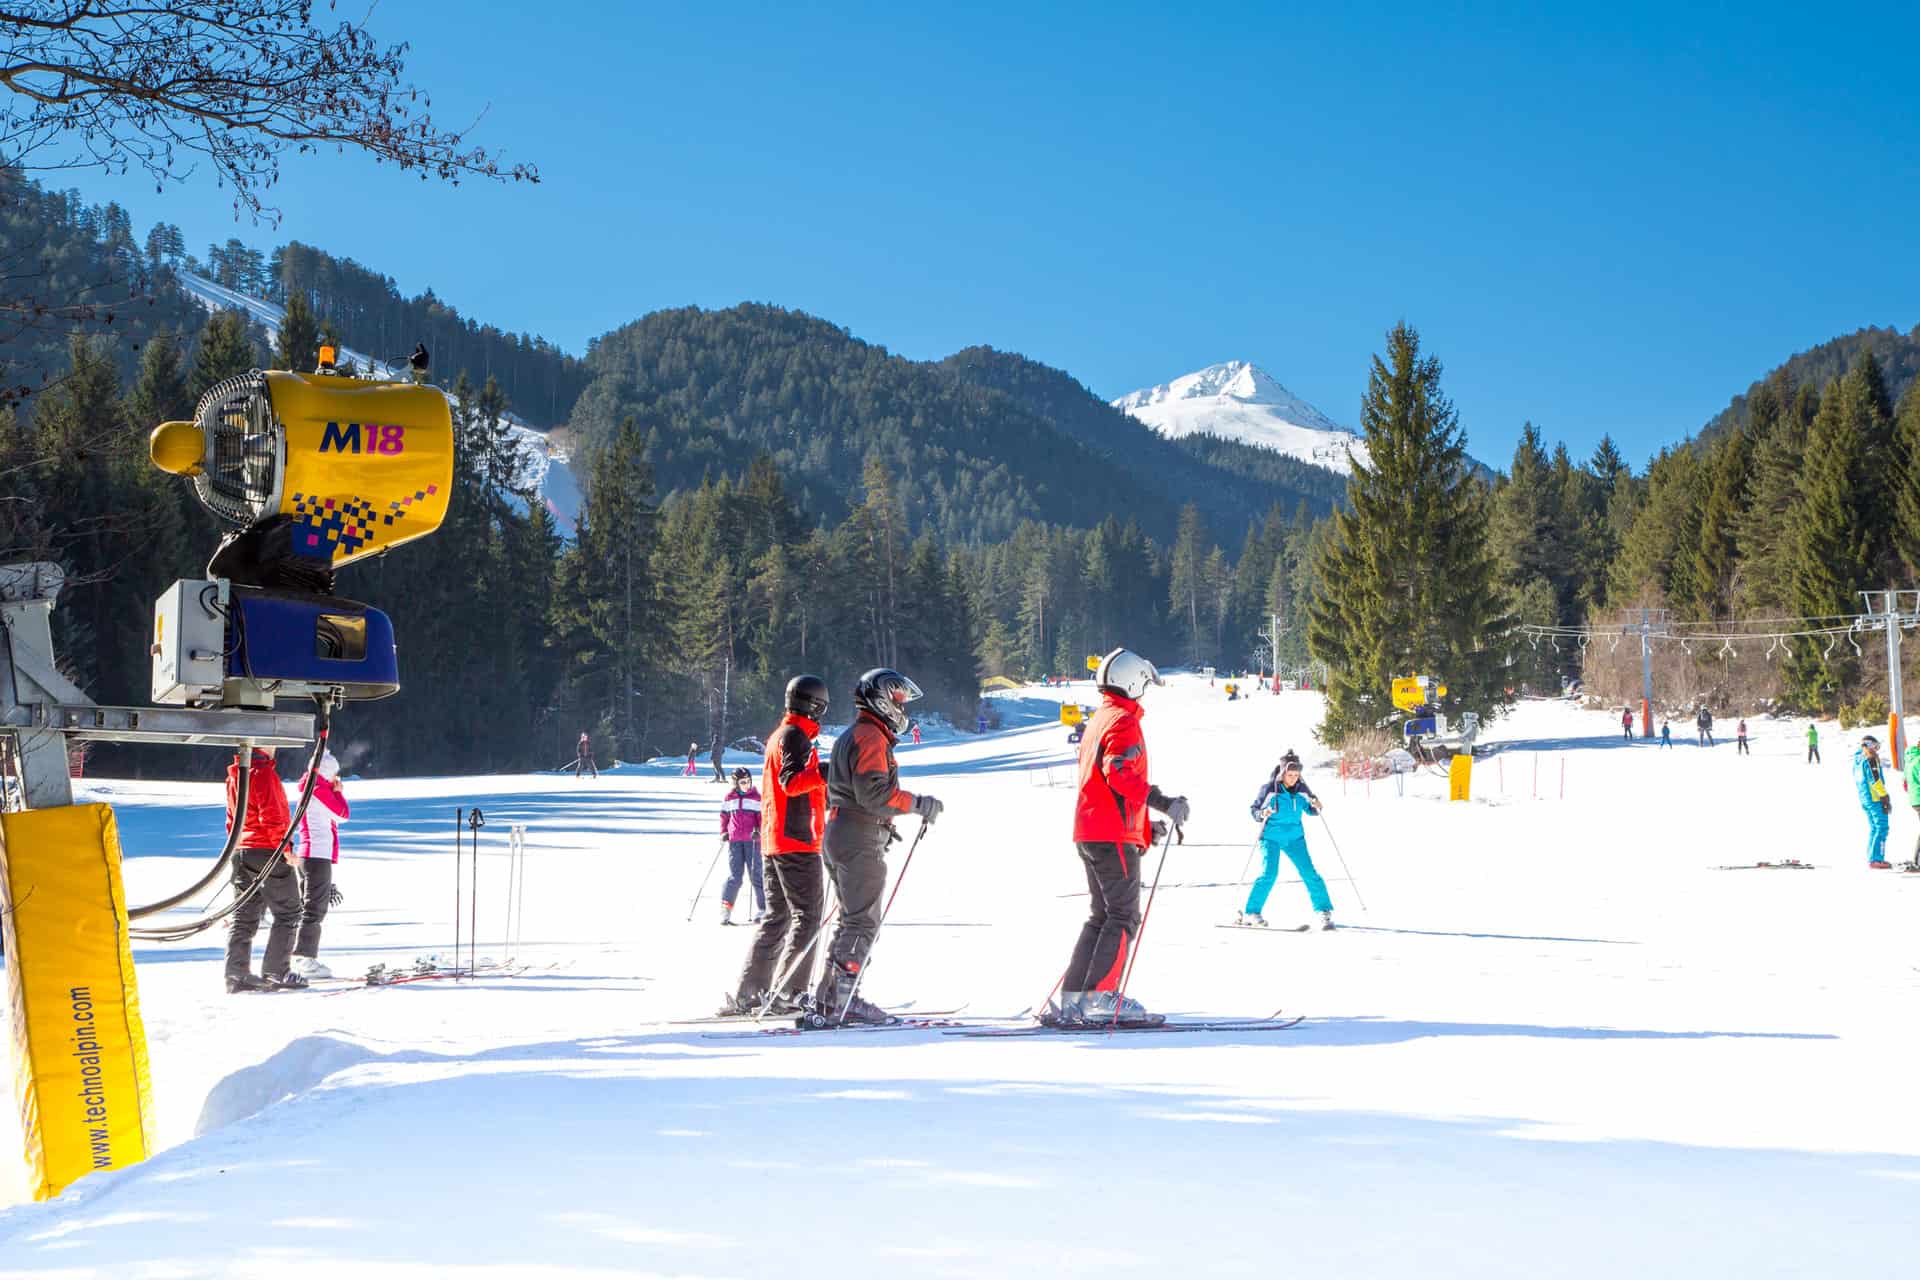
(226, 854)
(180, 933)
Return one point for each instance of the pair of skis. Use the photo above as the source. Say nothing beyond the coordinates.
(945, 1021)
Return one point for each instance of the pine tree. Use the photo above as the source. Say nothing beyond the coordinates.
(1408, 580)
(1715, 555)
(1187, 584)
(1832, 553)
(1906, 480)
(297, 345)
(223, 351)
(1763, 536)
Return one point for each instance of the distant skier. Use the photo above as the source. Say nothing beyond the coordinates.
(263, 832)
(1703, 723)
(319, 846)
(1626, 722)
(1111, 832)
(1283, 802)
(740, 827)
(1740, 743)
(1870, 785)
(715, 759)
(693, 761)
(864, 797)
(1666, 733)
(583, 758)
(1813, 743)
(916, 733)
(793, 796)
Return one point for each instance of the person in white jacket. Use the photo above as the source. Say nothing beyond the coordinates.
(318, 843)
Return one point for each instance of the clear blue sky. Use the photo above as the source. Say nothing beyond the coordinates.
(1603, 221)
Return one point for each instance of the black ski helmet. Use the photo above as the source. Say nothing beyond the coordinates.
(807, 696)
(741, 777)
(886, 693)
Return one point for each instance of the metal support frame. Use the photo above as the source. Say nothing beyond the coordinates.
(1654, 625)
(44, 712)
(1892, 611)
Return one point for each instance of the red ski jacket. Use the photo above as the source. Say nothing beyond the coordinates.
(1112, 804)
(266, 821)
(793, 792)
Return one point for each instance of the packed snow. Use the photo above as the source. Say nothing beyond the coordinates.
(1556, 1040)
(1240, 401)
(543, 469)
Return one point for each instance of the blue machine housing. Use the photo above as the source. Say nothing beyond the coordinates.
(311, 643)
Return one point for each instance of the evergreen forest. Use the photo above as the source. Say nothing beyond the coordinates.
(766, 494)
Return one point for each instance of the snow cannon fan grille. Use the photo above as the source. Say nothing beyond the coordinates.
(244, 449)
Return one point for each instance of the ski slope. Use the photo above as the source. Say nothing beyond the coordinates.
(1557, 1042)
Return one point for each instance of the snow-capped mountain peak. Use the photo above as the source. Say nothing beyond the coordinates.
(1238, 400)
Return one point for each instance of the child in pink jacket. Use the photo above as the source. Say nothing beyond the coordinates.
(318, 843)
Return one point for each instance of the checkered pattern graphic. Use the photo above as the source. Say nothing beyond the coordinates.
(342, 526)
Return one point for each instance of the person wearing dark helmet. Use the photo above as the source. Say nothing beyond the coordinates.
(1111, 830)
(793, 813)
(863, 798)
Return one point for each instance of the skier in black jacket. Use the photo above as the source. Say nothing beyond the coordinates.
(863, 798)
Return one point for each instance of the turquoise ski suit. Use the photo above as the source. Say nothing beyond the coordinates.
(1865, 774)
(1284, 811)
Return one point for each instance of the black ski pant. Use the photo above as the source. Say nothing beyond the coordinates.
(1813, 754)
(796, 894)
(280, 895)
(856, 854)
(316, 882)
(743, 863)
(1744, 749)
(1113, 922)
(585, 763)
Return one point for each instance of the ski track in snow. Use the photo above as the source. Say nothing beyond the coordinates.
(1559, 1043)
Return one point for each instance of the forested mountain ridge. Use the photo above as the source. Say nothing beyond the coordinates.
(1230, 481)
(1897, 353)
(975, 446)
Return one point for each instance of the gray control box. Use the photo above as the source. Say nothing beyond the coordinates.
(190, 642)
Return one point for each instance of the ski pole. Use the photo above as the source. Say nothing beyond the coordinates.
(1343, 862)
(867, 961)
(1120, 998)
(475, 821)
(695, 904)
(459, 820)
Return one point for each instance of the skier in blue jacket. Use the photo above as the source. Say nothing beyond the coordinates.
(1870, 784)
(1282, 804)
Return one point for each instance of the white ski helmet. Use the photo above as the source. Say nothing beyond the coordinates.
(1126, 672)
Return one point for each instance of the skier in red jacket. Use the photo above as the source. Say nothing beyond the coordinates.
(1112, 830)
(263, 831)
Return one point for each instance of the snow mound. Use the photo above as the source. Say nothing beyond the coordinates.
(1240, 401)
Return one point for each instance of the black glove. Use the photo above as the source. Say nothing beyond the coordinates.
(334, 896)
(928, 808)
(1175, 807)
(1159, 830)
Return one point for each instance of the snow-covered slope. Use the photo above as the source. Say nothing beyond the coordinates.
(538, 459)
(1558, 1042)
(1240, 401)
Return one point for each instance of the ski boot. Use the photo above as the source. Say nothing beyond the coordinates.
(1068, 1013)
(249, 983)
(757, 917)
(784, 1004)
(726, 913)
(739, 1006)
(1326, 920)
(838, 1003)
(1251, 920)
(1879, 864)
(286, 981)
(1109, 1008)
(308, 967)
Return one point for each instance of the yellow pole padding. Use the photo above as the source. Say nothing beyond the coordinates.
(1459, 777)
(79, 1049)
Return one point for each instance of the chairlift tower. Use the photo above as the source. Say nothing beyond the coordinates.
(1654, 624)
(1893, 611)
